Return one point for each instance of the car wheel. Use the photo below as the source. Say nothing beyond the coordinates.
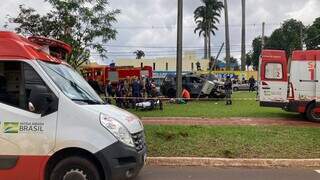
(312, 114)
(75, 168)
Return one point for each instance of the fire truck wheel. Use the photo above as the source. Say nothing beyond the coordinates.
(75, 168)
(312, 115)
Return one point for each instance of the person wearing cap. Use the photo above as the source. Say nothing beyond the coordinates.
(228, 89)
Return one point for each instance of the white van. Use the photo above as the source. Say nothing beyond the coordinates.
(53, 126)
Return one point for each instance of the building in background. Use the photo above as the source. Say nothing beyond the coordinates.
(167, 64)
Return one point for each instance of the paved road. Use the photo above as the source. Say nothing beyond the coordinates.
(199, 173)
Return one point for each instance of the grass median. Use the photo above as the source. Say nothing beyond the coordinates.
(233, 142)
(218, 109)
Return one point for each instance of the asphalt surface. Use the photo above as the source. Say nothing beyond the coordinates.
(201, 173)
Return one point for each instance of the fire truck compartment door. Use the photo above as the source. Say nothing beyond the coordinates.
(305, 76)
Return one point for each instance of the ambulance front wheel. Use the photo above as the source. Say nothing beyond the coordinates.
(312, 114)
(75, 168)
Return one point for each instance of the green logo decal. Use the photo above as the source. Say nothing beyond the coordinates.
(11, 127)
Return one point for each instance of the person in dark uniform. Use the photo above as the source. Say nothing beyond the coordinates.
(252, 83)
(228, 89)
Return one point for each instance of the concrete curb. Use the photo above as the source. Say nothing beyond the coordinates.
(221, 162)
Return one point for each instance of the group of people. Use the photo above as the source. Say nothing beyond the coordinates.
(228, 88)
(130, 91)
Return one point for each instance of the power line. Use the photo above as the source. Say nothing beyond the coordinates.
(189, 27)
(164, 47)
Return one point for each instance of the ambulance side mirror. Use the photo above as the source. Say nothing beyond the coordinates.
(40, 99)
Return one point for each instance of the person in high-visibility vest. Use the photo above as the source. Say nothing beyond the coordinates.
(186, 95)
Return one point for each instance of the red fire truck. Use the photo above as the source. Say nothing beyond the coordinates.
(291, 84)
(103, 74)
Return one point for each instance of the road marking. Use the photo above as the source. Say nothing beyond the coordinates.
(318, 171)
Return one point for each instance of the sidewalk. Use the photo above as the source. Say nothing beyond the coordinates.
(228, 121)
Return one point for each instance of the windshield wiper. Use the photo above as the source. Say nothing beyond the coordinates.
(88, 101)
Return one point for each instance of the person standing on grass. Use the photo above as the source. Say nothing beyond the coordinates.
(252, 82)
(228, 89)
(109, 92)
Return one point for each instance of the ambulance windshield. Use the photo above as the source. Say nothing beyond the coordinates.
(71, 83)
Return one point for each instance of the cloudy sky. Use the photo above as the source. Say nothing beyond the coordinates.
(150, 25)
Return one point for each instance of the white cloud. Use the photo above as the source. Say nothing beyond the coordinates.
(306, 13)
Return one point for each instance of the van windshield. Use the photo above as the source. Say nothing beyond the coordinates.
(71, 83)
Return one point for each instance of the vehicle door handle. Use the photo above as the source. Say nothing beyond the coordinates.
(309, 81)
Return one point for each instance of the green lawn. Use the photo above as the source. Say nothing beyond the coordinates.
(233, 142)
(218, 109)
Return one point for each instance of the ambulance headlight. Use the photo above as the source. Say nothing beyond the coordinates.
(117, 129)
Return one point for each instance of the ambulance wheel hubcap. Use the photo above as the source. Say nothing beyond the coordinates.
(75, 174)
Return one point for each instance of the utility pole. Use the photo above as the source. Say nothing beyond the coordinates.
(262, 36)
(301, 38)
(243, 37)
(226, 14)
(179, 48)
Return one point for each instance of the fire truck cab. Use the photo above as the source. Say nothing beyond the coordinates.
(53, 126)
(291, 84)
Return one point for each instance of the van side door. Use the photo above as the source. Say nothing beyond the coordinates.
(28, 117)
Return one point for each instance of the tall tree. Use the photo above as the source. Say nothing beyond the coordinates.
(313, 35)
(256, 51)
(243, 36)
(84, 24)
(287, 37)
(206, 17)
(227, 34)
(139, 54)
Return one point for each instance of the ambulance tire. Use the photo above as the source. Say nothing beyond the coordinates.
(75, 168)
(310, 115)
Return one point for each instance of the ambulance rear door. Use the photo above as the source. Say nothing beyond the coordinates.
(274, 78)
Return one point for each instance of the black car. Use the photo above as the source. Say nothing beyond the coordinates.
(193, 84)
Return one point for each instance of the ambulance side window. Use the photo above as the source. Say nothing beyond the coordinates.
(20, 84)
(274, 71)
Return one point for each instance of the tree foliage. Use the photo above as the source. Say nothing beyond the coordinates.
(139, 54)
(206, 17)
(84, 24)
(287, 37)
(313, 35)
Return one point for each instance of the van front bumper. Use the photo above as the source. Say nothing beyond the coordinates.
(121, 162)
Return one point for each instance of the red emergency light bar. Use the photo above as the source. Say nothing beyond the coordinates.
(43, 41)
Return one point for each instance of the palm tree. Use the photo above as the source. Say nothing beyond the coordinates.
(139, 54)
(243, 36)
(227, 34)
(206, 17)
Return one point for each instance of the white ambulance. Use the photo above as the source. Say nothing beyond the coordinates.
(292, 85)
(53, 126)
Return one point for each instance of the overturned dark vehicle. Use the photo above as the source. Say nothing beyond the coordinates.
(196, 85)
